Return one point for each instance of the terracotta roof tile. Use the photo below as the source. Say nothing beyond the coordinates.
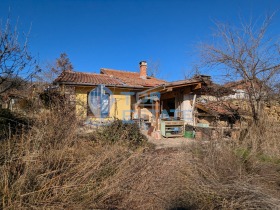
(218, 108)
(133, 78)
(109, 77)
(86, 78)
(242, 84)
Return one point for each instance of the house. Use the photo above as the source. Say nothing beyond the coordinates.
(240, 89)
(197, 104)
(244, 88)
(163, 106)
(116, 94)
(118, 90)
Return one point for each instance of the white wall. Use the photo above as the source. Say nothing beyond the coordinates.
(186, 108)
(239, 94)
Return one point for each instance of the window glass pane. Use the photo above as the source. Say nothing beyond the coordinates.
(99, 102)
(105, 105)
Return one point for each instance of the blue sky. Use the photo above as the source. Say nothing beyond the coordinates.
(118, 34)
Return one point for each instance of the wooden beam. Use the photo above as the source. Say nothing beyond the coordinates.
(179, 91)
(167, 95)
(157, 114)
(187, 90)
(139, 113)
(194, 86)
(149, 92)
(186, 85)
(204, 115)
(197, 87)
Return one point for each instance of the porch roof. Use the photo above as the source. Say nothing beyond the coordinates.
(168, 87)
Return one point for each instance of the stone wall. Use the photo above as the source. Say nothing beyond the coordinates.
(271, 109)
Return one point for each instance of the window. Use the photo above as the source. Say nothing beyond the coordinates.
(98, 102)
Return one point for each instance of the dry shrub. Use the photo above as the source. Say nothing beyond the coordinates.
(120, 131)
(263, 139)
(12, 123)
(51, 167)
(148, 180)
(222, 179)
(210, 176)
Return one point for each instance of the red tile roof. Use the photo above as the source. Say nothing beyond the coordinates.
(242, 85)
(218, 108)
(86, 78)
(132, 78)
(108, 77)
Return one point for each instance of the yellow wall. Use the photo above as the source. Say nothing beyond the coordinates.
(120, 103)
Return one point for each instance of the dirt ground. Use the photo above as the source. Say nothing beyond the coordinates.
(159, 143)
(169, 142)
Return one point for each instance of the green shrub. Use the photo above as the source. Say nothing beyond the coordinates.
(242, 153)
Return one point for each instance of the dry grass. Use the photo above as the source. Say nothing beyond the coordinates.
(51, 167)
(223, 179)
(264, 139)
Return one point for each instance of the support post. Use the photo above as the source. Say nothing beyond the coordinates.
(193, 106)
(157, 114)
(139, 114)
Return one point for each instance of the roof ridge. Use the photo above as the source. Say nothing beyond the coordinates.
(240, 81)
(87, 78)
(89, 73)
(185, 80)
(137, 73)
(126, 71)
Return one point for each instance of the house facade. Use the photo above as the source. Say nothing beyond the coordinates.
(116, 94)
(119, 87)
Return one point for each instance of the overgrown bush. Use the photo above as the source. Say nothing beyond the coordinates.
(223, 176)
(52, 99)
(119, 131)
(12, 123)
(263, 139)
(52, 167)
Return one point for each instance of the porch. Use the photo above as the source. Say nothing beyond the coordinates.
(165, 110)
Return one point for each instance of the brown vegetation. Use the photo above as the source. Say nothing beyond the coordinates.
(52, 167)
(247, 53)
(15, 58)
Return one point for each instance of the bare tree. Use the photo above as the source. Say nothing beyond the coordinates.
(15, 60)
(63, 63)
(51, 70)
(195, 71)
(153, 68)
(246, 53)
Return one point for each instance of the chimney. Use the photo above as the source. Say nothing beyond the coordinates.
(143, 69)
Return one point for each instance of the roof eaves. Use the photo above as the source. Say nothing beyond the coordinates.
(91, 84)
